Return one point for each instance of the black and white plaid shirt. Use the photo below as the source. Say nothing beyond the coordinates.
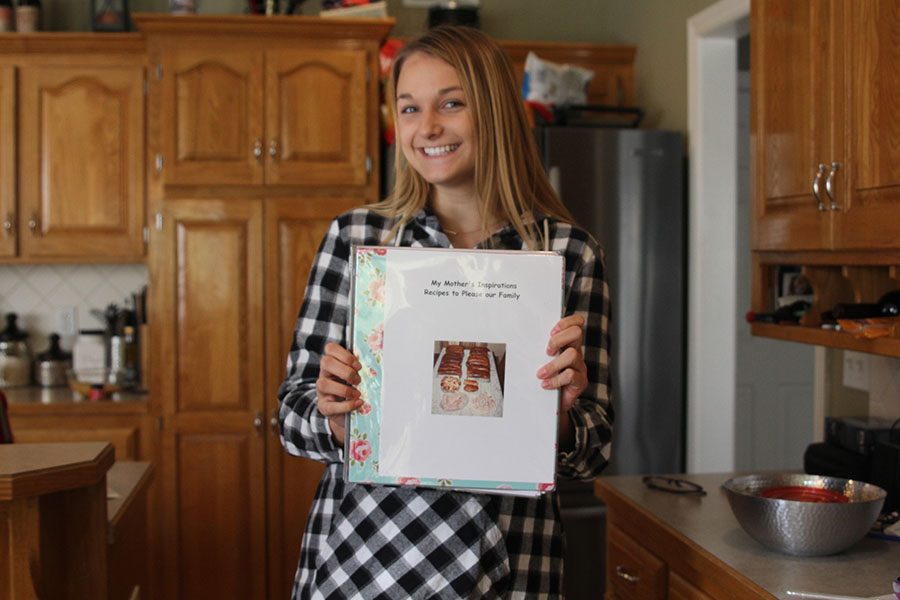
(365, 541)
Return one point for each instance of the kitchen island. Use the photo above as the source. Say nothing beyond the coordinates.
(73, 524)
(662, 545)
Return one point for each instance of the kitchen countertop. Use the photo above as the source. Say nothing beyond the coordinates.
(35, 400)
(708, 525)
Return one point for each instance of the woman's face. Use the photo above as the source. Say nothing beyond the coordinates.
(434, 123)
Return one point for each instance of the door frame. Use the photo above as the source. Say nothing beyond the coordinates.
(712, 36)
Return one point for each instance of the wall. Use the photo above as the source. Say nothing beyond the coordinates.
(37, 292)
(881, 400)
(656, 27)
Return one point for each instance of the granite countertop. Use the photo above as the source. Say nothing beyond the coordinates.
(61, 400)
(866, 569)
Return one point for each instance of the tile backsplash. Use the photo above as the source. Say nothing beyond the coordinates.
(38, 292)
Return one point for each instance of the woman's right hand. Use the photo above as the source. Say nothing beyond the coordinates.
(335, 388)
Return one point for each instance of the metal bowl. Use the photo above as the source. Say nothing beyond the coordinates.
(804, 528)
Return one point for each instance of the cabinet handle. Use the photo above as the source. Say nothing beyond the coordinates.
(33, 224)
(815, 186)
(274, 422)
(8, 224)
(273, 148)
(623, 574)
(258, 148)
(258, 423)
(829, 185)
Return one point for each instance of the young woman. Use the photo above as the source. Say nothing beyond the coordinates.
(468, 176)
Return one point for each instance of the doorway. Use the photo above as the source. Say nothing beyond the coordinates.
(752, 403)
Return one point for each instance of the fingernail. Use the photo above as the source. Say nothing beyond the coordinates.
(547, 384)
(555, 330)
(542, 373)
(551, 351)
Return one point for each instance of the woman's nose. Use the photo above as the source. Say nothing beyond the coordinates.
(431, 124)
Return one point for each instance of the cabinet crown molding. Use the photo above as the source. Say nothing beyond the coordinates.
(254, 25)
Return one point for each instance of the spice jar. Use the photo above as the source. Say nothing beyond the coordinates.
(15, 357)
(28, 16)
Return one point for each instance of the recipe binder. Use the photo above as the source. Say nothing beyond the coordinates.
(450, 342)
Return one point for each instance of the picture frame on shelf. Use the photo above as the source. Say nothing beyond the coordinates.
(110, 15)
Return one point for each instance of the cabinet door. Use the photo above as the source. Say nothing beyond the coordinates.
(870, 204)
(294, 230)
(680, 589)
(212, 116)
(7, 161)
(791, 112)
(316, 105)
(632, 571)
(211, 383)
(81, 170)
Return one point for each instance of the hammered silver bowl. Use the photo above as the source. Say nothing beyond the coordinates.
(804, 528)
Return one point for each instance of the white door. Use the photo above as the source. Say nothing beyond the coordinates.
(774, 417)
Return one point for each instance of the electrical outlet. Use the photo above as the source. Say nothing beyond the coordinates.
(67, 320)
(856, 370)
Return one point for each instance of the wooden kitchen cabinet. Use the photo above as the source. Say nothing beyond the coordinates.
(651, 559)
(291, 112)
(213, 444)
(827, 165)
(72, 163)
(633, 573)
(293, 231)
(8, 226)
(255, 144)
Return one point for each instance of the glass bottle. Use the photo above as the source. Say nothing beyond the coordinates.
(6, 16)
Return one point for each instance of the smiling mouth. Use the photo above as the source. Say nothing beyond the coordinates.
(434, 151)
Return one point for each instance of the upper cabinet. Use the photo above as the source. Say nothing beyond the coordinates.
(826, 125)
(869, 199)
(237, 112)
(72, 150)
(8, 226)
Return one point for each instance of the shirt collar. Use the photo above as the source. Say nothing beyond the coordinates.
(504, 238)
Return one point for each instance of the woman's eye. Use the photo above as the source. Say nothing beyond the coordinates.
(453, 104)
(405, 110)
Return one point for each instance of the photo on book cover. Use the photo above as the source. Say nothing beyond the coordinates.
(468, 379)
(450, 341)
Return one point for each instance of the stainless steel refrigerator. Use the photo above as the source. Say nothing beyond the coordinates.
(626, 187)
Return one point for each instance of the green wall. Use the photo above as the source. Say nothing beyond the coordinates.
(656, 27)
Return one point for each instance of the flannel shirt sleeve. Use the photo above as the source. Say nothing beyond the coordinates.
(592, 414)
(323, 318)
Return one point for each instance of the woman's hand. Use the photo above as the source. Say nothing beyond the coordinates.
(337, 396)
(567, 371)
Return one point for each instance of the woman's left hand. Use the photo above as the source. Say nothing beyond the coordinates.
(567, 371)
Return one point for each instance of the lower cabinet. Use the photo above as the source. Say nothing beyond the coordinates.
(229, 276)
(293, 231)
(648, 559)
(680, 589)
(127, 425)
(634, 573)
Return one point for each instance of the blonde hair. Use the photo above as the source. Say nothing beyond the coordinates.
(509, 176)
